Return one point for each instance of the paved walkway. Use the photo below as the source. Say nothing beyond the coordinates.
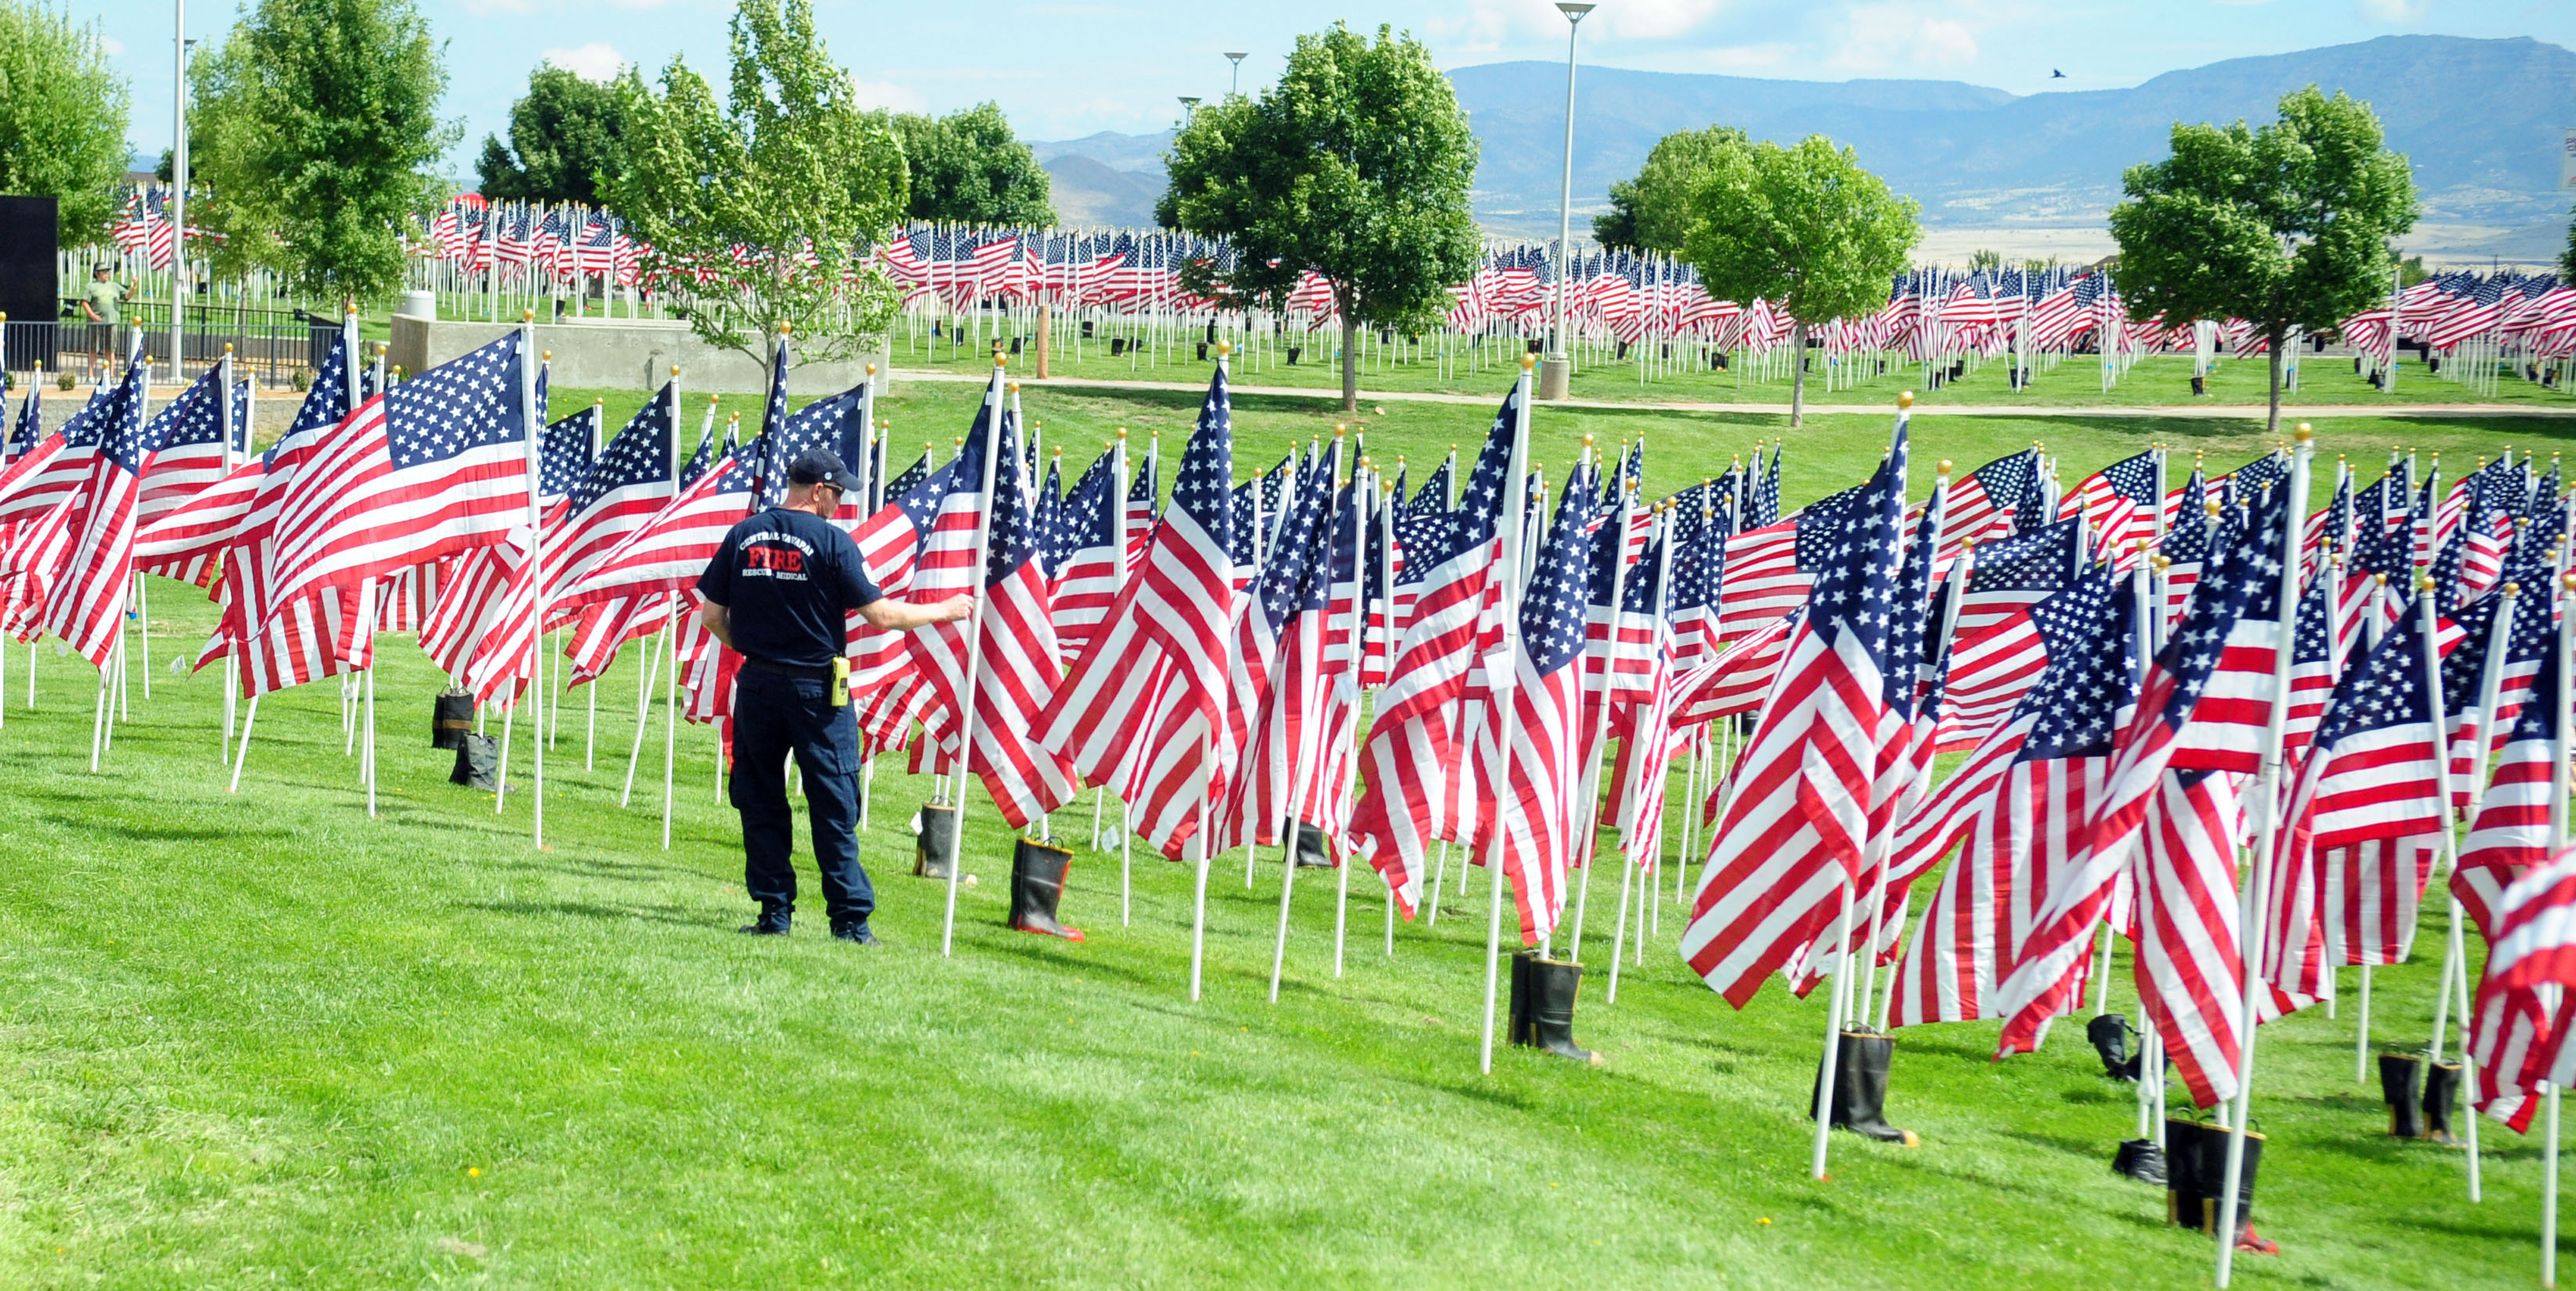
(2253, 412)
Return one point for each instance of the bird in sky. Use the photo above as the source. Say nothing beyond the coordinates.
(2056, 75)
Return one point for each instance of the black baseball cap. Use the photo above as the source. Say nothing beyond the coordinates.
(822, 466)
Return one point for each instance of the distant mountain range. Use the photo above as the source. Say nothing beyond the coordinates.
(2481, 119)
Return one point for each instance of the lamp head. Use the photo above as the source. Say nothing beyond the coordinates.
(1574, 12)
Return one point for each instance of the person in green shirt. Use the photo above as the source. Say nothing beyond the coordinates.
(104, 295)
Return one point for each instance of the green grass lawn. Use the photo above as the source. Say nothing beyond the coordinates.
(2074, 382)
(263, 1038)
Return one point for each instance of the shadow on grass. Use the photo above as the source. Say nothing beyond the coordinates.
(161, 833)
(2085, 1148)
(586, 910)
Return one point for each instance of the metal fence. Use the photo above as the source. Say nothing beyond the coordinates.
(271, 346)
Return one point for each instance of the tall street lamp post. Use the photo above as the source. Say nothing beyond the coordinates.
(178, 181)
(1558, 370)
(1236, 85)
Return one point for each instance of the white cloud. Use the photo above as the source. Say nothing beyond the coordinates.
(2392, 11)
(1652, 19)
(1882, 37)
(592, 62)
(886, 94)
(113, 47)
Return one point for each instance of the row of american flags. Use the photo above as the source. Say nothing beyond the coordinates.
(1931, 312)
(1330, 643)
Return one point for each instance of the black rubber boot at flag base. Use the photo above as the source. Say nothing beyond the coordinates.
(2441, 1099)
(2196, 1178)
(2140, 1159)
(1516, 1021)
(2399, 1076)
(1860, 1087)
(1037, 885)
(451, 716)
(2108, 1033)
(1312, 854)
(934, 844)
(1543, 992)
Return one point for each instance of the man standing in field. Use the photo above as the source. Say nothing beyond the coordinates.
(778, 593)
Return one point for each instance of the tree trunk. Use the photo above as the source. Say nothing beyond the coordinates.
(1350, 362)
(2272, 421)
(1798, 375)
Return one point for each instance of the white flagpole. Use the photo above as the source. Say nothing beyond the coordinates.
(1291, 819)
(2257, 899)
(533, 421)
(650, 669)
(1587, 808)
(1632, 828)
(1363, 496)
(1839, 1004)
(2558, 787)
(974, 643)
(232, 658)
(670, 720)
(1506, 713)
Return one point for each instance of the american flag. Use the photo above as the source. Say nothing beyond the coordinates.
(2190, 968)
(1014, 653)
(2510, 833)
(1141, 492)
(564, 453)
(1702, 560)
(30, 426)
(1433, 497)
(2535, 927)
(1274, 670)
(185, 444)
(1087, 550)
(434, 466)
(2121, 501)
(2234, 707)
(2006, 486)
(2023, 831)
(632, 480)
(1644, 726)
(2145, 746)
(2315, 666)
(1147, 693)
(1540, 791)
(1412, 754)
(85, 604)
(2373, 774)
(1797, 826)
(1996, 651)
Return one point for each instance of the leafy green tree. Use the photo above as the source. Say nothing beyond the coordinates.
(787, 165)
(2286, 226)
(1805, 228)
(314, 129)
(564, 135)
(2567, 258)
(1356, 166)
(62, 118)
(967, 167)
(1652, 212)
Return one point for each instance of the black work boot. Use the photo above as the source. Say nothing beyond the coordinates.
(2186, 1175)
(2399, 1074)
(1516, 1027)
(854, 931)
(2441, 1098)
(1860, 1086)
(451, 716)
(2140, 1159)
(1311, 852)
(1037, 884)
(2246, 1238)
(2109, 1035)
(934, 844)
(1552, 987)
(772, 922)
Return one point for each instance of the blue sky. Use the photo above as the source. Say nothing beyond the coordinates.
(1062, 68)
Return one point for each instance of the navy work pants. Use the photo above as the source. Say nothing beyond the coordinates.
(774, 715)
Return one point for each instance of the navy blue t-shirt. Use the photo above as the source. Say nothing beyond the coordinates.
(790, 578)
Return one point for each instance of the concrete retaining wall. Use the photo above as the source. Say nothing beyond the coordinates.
(618, 354)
